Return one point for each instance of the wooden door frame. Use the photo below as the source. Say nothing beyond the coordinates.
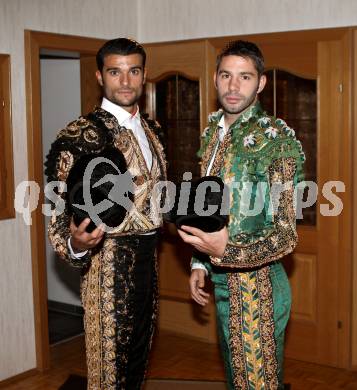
(34, 41)
(7, 189)
(354, 200)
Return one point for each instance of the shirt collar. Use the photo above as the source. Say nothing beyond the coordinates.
(221, 122)
(120, 114)
(250, 112)
(222, 128)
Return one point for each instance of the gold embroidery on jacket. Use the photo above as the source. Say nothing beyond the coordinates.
(281, 241)
(251, 330)
(90, 294)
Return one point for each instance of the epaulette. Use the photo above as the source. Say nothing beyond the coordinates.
(80, 137)
(267, 135)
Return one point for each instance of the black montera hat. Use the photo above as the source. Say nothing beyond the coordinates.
(192, 205)
(108, 182)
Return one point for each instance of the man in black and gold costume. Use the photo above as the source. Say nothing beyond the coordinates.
(119, 278)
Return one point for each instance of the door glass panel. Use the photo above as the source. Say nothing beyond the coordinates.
(177, 109)
(293, 99)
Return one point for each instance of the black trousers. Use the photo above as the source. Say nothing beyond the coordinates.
(136, 295)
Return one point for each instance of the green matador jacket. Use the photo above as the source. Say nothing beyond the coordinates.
(258, 155)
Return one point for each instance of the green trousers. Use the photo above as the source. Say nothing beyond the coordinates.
(253, 309)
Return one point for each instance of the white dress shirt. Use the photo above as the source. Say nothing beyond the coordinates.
(221, 133)
(133, 123)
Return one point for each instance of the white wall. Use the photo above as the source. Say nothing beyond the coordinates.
(60, 104)
(92, 18)
(148, 21)
(169, 20)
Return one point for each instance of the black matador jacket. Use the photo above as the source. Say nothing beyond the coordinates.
(107, 285)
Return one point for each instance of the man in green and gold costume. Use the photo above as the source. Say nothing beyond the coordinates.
(260, 160)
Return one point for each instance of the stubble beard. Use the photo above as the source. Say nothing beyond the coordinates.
(239, 107)
(122, 102)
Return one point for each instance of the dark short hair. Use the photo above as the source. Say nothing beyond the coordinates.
(243, 49)
(120, 46)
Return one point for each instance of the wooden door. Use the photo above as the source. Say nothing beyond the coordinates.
(319, 329)
(318, 268)
(91, 92)
(182, 64)
(314, 266)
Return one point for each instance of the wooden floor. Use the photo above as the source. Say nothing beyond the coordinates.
(178, 357)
